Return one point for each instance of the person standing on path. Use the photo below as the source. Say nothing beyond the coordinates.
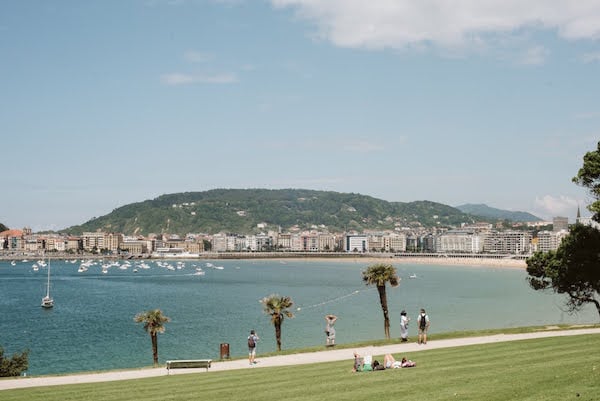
(252, 341)
(404, 319)
(423, 325)
(330, 330)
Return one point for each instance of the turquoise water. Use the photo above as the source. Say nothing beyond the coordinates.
(91, 326)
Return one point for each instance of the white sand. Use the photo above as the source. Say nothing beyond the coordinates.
(296, 359)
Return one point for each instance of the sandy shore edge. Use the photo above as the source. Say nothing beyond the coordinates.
(441, 260)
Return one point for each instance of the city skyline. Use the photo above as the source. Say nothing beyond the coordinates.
(106, 103)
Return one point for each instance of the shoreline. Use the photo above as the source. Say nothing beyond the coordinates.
(439, 260)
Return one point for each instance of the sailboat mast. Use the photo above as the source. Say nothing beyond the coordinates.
(48, 286)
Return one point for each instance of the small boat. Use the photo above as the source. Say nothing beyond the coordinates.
(13, 263)
(47, 301)
(35, 267)
(412, 276)
(82, 269)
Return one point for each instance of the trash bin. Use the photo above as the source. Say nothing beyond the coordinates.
(224, 351)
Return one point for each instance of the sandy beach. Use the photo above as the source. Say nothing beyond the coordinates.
(425, 260)
(284, 360)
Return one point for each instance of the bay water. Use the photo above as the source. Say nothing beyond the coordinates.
(91, 326)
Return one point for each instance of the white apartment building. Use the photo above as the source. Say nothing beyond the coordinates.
(394, 243)
(507, 242)
(550, 240)
(93, 240)
(459, 241)
(327, 242)
(310, 242)
(219, 243)
(356, 243)
(284, 241)
(387, 242)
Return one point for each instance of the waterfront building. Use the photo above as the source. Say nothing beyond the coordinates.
(428, 242)
(134, 246)
(219, 243)
(310, 242)
(73, 244)
(508, 242)
(12, 240)
(375, 243)
(459, 241)
(284, 241)
(263, 242)
(394, 242)
(31, 245)
(356, 243)
(327, 242)
(54, 243)
(194, 247)
(93, 241)
(113, 241)
(550, 240)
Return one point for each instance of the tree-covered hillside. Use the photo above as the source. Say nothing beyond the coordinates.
(497, 214)
(3, 227)
(241, 210)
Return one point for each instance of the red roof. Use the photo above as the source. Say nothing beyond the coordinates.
(11, 233)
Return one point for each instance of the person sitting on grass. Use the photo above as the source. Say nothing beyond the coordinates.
(367, 361)
(358, 362)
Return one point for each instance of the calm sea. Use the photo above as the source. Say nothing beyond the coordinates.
(91, 326)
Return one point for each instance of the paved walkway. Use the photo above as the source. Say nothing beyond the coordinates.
(282, 360)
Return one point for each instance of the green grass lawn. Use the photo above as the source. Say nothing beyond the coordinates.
(559, 368)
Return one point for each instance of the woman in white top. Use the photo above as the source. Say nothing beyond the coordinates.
(404, 319)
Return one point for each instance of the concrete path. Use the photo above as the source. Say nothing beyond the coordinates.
(295, 359)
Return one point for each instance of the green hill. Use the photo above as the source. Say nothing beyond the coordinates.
(241, 210)
(497, 214)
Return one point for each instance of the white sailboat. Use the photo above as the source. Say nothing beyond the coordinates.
(47, 301)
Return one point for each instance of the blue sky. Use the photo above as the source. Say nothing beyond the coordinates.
(105, 103)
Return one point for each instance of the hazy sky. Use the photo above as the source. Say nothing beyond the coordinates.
(105, 103)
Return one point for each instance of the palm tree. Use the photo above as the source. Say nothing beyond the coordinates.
(379, 274)
(276, 306)
(154, 323)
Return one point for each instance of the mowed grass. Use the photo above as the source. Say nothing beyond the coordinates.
(558, 368)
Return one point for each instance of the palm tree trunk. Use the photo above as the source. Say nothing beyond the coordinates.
(384, 308)
(154, 338)
(595, 302)
(278, 333)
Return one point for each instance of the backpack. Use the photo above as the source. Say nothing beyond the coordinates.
(251, 343)
(423, 322)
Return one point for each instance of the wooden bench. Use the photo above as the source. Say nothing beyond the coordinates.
(188, 363)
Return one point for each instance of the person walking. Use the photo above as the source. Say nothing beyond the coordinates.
(330, 330)
(252, 341)
(404, 319)
(423, 325)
